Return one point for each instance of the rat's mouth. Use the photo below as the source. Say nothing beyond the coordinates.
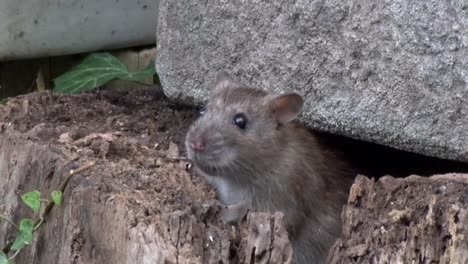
(212, 161)
(212, 171)
(207, 166)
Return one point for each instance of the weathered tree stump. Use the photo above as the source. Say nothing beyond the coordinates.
(142, 204)
(139, 204)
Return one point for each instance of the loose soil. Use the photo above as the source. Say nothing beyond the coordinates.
(136, 138)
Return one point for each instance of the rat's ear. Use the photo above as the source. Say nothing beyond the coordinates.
(286, 107)
(223, 80)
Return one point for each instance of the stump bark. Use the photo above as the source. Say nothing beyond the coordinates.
(410, 220)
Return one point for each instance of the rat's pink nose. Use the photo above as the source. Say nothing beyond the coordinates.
(197, 146)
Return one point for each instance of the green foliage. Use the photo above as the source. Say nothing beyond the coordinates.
(4, 258)
(27, 227)
(57, 197)
(96, 70)
(2, 102)
(24, 235)
(33, 200)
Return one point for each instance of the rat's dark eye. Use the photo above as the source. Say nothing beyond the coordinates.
(202, 111)
(240, 120)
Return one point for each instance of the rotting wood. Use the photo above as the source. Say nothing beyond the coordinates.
(409, 220)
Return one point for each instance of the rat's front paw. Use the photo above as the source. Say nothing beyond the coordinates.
(233, 213)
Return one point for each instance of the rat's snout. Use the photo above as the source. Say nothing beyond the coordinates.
(198, 145)
(205, 143)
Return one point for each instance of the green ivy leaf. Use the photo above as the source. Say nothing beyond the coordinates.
(24, 235)
(57, 197)
(4, 258)
(95, 70)
(33, 200)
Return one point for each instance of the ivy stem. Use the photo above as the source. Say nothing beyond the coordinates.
(64, 184)
(14, 255)
(41, 220)
(51, 204)
(4, 218)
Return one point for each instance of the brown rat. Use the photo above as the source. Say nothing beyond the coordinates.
(247, 146)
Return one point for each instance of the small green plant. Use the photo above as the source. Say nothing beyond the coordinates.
(57, 197)
(33, 200)
(2, 102)
(96, 70)
(26, 228)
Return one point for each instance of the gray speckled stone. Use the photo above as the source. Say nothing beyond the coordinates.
(393, 72)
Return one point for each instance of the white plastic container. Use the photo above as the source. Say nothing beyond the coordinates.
(42, 28)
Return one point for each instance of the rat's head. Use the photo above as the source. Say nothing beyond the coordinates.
(239, 127)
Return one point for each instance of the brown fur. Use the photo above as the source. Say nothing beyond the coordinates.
(271, 166)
